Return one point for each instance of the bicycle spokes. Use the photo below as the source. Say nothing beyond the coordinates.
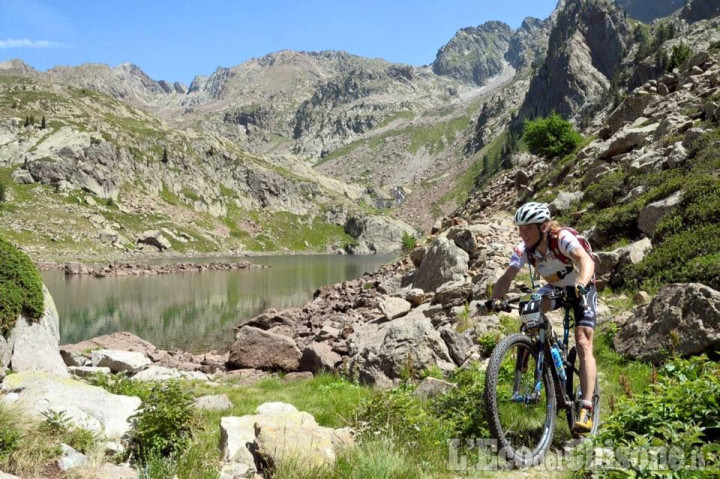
(521, 398)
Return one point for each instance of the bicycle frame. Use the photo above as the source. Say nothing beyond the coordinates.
(545, 340)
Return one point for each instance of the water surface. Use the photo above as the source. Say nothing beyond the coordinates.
(194, 311)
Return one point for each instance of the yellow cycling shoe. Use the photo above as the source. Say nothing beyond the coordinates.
(584, 421)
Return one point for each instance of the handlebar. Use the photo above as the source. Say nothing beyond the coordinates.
(566, 294)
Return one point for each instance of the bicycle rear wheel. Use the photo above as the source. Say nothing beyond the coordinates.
(575, 394)
(520, 417)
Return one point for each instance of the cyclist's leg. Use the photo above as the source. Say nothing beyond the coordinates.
(547, 304)
(585, 320)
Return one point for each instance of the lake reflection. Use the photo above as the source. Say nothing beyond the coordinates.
(194, 311)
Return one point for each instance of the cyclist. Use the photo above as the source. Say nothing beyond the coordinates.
(563, 261)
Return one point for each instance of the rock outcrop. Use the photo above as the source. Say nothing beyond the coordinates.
(682, 319)
(33, 346)
(585, 50)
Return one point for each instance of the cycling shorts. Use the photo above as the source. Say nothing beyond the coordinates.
(584, 314)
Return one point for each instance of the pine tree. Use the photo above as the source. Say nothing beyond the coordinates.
(165, 155)
(43, 124)
(27, 121)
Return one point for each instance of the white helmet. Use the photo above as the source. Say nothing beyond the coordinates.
(532, 213)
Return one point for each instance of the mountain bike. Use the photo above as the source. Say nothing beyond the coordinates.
(525, 389)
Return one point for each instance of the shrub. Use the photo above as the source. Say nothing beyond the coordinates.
(680, 54)
(163, 421)
(462, 407)
(603, 192)
(679, 410)
(2, 192)
(21, 290)
(408, 241)
(551, 136)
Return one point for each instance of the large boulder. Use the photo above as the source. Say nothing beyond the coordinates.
(33, 346)
(258, 349)
(609, 265)
(443, 262)
(651, 215)
(273, 434)
(376, 234)
(319, 357)
(382, 353)
(85, 406)
(682, 319)
(120, 361)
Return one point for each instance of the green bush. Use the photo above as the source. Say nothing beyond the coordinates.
(21, 288)
(680, 54)
(551, 136)
(680, 410)
(462, 407)
(603, 192)
(163, 421)
(408, 241)
(690, 255)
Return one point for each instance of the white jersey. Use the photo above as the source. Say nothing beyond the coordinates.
(553, 270)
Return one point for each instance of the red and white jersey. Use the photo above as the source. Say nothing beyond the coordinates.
(552, 269)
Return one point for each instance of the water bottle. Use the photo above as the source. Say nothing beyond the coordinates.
(557, 359)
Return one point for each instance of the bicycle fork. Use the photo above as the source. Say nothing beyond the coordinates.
(521, 364)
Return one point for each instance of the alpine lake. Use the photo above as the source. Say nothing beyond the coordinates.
(198, 311)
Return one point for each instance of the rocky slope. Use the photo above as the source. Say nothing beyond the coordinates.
(111, 177)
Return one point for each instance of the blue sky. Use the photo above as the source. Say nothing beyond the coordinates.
(176, 40)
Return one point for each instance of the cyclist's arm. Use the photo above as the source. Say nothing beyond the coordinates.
(502, 286)
(586, 263)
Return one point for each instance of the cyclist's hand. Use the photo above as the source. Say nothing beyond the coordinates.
(577, 291)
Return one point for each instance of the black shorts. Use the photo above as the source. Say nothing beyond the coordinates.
(584, 314)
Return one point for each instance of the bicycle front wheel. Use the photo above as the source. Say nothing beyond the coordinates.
(520, 409)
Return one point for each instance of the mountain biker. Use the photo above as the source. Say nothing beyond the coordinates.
(567, 265)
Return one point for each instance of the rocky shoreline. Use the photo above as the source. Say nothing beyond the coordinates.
(140, 269)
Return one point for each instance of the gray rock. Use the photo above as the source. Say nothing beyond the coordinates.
(275, 408)
(34, 345)
(377, 234)
(380, 354)
(391, 285)
(70, 458)
(120, 361)
(85, 406)
(297, 436)
(455, 293)
(564, 200)
(651, 215)
(682, 318)
(628, 140)
(649, 161)
(258, 349)
(392, 307)
(432, 387)
(415, 296)
(22, 177)
(216, 402)
(319, 357)
(466, 241)
(443, 262)
(458, 344)
(237, 435)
